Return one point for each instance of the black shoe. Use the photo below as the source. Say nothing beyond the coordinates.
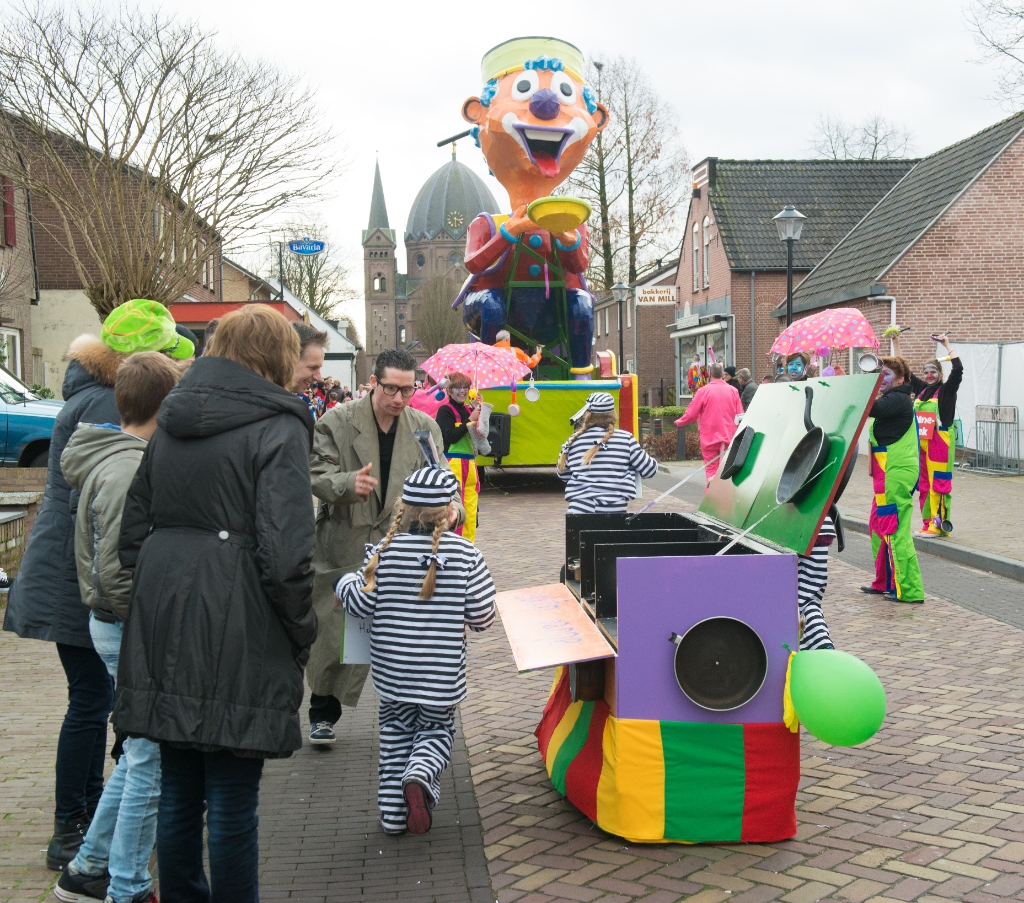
(67, 838)
(75, 888)
(871, 591)
(322, 733)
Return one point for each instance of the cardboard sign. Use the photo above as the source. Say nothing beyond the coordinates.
(546, 626)
(355, 641)
(926, 423)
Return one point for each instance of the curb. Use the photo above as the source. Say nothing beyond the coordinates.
(943, 548)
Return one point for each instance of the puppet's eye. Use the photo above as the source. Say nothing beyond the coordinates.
(524, 85)
(563, 87)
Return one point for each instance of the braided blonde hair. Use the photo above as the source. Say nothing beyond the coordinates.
(403, 520)
(590, 419)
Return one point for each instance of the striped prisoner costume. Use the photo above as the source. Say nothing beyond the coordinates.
(418, 655)
(811, 581)
(608, 484)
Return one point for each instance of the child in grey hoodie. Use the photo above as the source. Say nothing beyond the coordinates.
(99, 463)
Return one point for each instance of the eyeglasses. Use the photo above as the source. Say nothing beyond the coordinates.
(391, 389)
(458, 390)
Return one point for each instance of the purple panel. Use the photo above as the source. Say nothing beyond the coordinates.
(659, 596)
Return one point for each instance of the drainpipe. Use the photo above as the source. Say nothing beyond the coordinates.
(753, 342)
(31, 234)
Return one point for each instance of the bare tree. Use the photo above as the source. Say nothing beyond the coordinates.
(148, 144)
(998, 27)
(875, 138)
(635, 174)
(437, 324)
(320, 280)
(14, 275)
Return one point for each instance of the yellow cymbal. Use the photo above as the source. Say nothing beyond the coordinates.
(559, 214)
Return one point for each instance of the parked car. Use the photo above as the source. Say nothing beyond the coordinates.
(26, 423)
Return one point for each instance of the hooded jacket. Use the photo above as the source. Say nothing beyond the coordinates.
(44, 602)
(100, 462)
(218, 529)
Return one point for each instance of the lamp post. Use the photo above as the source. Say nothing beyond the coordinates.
(789, 223)
(620, 292)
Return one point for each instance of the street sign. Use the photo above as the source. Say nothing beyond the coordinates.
(306, 246)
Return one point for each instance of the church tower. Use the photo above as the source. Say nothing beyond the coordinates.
(380, 278)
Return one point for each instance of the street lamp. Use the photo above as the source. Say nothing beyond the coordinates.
(620, 293)
(789, 223)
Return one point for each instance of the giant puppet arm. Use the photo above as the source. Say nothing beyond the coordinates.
(484, 249)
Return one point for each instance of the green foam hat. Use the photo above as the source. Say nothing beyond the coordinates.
(510, 56)
(141, 325)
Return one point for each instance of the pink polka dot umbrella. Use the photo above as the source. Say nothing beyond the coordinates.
(844, 327)
(486, 365)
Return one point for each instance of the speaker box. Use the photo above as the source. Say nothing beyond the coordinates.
(500, 435)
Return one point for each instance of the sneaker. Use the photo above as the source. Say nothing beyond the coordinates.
(68, 836)
(322, 733)
(419, 809)
(5, 581)
(75, 887)
(392, 832)
(146, 896)
(871, 591)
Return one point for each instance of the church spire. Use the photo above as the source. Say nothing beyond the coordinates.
(378, 209)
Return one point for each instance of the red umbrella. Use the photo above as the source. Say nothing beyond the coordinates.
(844, 327)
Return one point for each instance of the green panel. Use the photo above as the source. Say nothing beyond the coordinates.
(840, 407)
(571, 747)
(705, 778)
(543, 425)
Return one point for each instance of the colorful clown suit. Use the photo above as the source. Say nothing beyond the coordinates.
(894, 471)
(534, 270)
(462, 461)
(938, 455)
(651, 781)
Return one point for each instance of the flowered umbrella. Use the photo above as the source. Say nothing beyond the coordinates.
(844, 327)
(486, 365)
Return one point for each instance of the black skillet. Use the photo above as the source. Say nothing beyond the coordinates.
(737, 455)
(807, 459)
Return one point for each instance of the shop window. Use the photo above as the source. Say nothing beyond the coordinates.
(707, 251)
(696, 257)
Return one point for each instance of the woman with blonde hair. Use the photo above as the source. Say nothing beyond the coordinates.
(422, 586)
(600, 463)
(218, 529)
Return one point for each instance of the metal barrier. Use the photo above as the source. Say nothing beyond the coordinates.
(997, 439)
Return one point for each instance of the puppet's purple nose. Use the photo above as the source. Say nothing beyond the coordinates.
(544, 104)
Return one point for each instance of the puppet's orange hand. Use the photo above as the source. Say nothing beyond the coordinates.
(519, 222)
(567, 239)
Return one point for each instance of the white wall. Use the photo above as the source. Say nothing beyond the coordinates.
(60, 317)
(981, 381)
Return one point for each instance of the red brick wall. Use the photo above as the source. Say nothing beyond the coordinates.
(721, 281)
(656, 364)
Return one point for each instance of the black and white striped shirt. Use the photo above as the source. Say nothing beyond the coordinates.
(609, 482)
(418, 646)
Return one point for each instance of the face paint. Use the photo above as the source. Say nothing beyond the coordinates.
(931, 375)
(887, 377)
(795, 368)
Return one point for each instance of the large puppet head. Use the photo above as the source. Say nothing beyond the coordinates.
(534, 118)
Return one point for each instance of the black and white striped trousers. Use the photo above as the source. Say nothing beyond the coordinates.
(415, 745)
(811, 580)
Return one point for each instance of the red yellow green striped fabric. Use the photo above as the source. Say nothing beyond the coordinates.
(656, 781)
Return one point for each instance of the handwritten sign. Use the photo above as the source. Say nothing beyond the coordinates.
(926, 421)
(545, 627)
(355, 641)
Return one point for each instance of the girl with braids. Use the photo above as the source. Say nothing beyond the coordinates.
(599, 463)
(421, 586)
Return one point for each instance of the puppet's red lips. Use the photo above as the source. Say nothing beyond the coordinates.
(544, 145)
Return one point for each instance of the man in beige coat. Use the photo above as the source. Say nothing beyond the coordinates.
(362, 452)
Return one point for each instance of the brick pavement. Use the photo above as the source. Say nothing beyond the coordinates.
(931, 809)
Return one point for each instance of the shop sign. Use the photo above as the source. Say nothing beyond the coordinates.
(657, 294)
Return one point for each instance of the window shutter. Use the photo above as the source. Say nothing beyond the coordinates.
(10, 230)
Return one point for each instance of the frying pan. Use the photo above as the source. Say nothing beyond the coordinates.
(868, 362)
(809, 456)
(720, 663)
(737, 455)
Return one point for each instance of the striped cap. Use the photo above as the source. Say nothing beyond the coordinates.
(601, 403)
(429, 487)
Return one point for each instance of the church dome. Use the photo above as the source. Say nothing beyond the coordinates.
(448, 202)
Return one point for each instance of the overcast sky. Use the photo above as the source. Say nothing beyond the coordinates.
(747, 79)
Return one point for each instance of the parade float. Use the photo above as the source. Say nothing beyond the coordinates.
(534, 120)
(675, 709)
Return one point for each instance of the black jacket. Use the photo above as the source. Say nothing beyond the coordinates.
(218, 527)
(945, 390)
(44, 602)
(894, 414)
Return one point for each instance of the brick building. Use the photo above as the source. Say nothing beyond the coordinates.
(17, 280)
(732, 268)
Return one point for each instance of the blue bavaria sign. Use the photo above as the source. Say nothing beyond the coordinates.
(306, 246)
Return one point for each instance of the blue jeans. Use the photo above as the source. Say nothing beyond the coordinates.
(228, 787)
(82, 745)
(123, 830)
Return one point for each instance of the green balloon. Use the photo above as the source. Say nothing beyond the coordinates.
(838, 698)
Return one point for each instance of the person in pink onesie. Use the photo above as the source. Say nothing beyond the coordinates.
(716, 408)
